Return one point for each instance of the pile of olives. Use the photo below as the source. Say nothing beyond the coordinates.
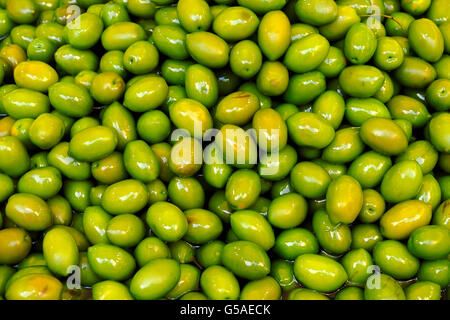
(225, 149)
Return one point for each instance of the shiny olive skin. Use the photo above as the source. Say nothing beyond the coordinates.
(437, 94)
(194, 15)
(306, 54)
(287, 211)
(333, 170)
(334, 62)
(394, 259)
(95, 222)
(73, 60)
(157, 191)
(277, 166)
(122, 122)
(252, 226)
(423, 153)
(373, 206)
(70, 99)
(167, 221)
(141, 57)
(46, 131)
(235, 23)
(186, 113)
(369, 168)
(182, 251)
(442, 214)
(171, 40)
(14, 158)
(8, 187)
(189, 280)
(153, 126)
(121, 35)
(112, 61)
(110, 290)
(28, 211)
(15, 244)
(330, 106)
(290, 244)
(246, 260)
(203, 226)
(60, 251)
(220, 206)
(415, 73)
(93, 144)
(35, 75)
(437, 271)
(245, 59)
(150, 248)
(107, 87)
(83, 123)
(403, 107)
(282, 272)
(207, 49)
(360, 44)
(344, 199)
(237, 108)
(303, 127)
(346, 17)
(219, 284)
(215, 171)
(306, 294)
(140, 161)
(399, 221)
(126, 196)
(270, 130)
(365, 236)
(388, 54)
(242, 188)
(304, 88)
(25, 103)
(146, 94)
(356, 264)
(426, 39)
(361, 81)
(387, 90)
(334, 238)
(345, 147)
(389, 289)
(274, 34)
(312, 269)
(185, 157)
(201, 85)
(35, 287)
(438, 131)
(125, 230)
(111, 262)
(383, 136)
(78, 194)
(423, 290)
(210, 253)
(359, 110)
(430, 242)
(350, 293)
(310, 179)
(273, 78)
(264, 289)
(59, 158)
(43, 182)
(316, 13)
(406, 173)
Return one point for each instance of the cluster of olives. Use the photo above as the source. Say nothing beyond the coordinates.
(225, 149)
